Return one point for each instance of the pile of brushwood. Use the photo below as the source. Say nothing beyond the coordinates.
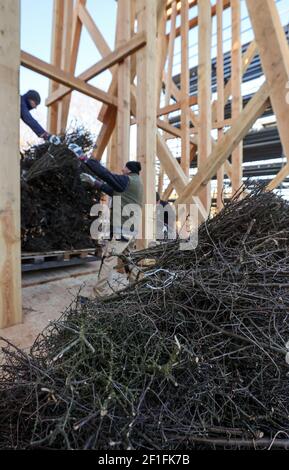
(55, 206)
(192, 357)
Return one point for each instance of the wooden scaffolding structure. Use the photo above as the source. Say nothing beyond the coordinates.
(141, 67)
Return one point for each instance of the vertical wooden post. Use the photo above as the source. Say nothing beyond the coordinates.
(56, 50)
(168, 79)
(74, 28)
(123, 111)
(274, 54)
(237, 104)
(10, 263)
(185, 119)
(146, 109)
(112, 151)
(162, 51)
(65, 61)
(220, 90)
(112, 163)
(204, 93)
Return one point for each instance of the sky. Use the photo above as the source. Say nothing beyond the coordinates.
(36, 28)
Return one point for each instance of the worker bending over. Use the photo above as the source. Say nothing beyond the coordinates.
(29, 101)
(129, 188)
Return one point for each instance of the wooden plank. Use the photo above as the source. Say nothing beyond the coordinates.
(73, 51)
(161, 180)
(237, 102)
(247, 58)
(10, 265)
(195, 21)
(81, 14)
(107, 114)
(281, 175)
(164, 49)
(175, 173)
(220, 102)
(222, 123)
(172, 130)
(224, 148)
(171, 166)
(185, 120)
(112, 162)
(170, 108)
(162, 53)
(169, 7)
(121, 53)
(146, 111)
(94, 32)
(274, 55)
(204, 94)
(65, 60)
(56, 51)
(168, 78)
(33, 63)
(165, 126)
(176, 92)
(167, 193)
(123, 96)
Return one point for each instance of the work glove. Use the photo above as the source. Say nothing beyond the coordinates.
(88, 179)
(46, 136)
(55, 140)
(78, 152)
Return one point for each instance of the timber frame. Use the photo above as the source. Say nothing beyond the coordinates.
(145, 36)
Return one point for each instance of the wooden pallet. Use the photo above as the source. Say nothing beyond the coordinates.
(55, 259)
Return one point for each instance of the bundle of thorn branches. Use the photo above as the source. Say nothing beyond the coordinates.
(191, 357)
(55, 206)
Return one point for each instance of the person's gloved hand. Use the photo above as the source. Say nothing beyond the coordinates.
(78, 152)
(46, 136)
(88, 179)
(55, 140)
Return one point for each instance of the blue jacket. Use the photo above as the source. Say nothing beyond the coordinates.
(112, 182)
(26, 117)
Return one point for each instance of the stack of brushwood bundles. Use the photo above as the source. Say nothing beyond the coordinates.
(191, 357)
(55, 205)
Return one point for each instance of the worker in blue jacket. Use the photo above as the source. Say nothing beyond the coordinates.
(29, 101)
(128, 188)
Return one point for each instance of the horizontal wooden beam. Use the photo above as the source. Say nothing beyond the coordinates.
(176, 106)
(118, 55)
(223, 149)
(192, 3)
(176, 92)
(195, 21)
(165, 126)
(175, 131)
(65, 78)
